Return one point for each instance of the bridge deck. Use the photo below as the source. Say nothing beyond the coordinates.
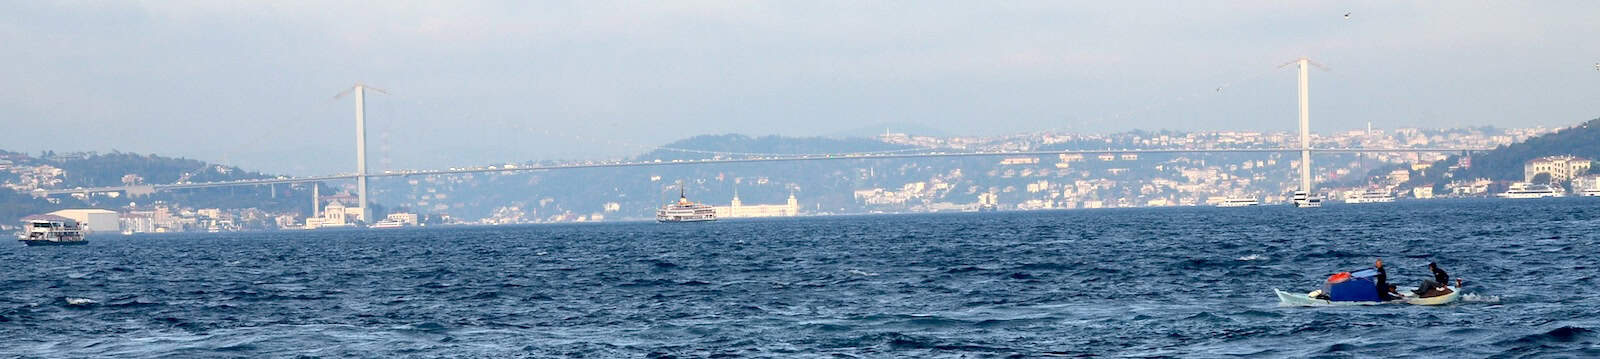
(828, 157)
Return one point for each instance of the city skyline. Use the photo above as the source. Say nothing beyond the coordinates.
(484, 83)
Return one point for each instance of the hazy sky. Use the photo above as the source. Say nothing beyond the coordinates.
(252, 83)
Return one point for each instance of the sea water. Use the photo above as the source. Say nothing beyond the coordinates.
(1181, 282)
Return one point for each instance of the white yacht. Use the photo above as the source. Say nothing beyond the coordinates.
(51, 230)
(1239, 202)
(1530, 190)
(685, 211)
(1371, 196)
(1303, 199)
(1593, 192)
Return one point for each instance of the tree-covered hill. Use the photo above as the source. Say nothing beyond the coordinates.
(1506, 163)
(89, 169)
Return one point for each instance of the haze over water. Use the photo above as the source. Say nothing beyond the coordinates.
(1138, 282)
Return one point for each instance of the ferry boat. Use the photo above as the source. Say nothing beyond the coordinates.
(1530, 190)
(51, 230)
(685, 211)
(388, 223)
(1371, 196)
(1239, 202)
(1303, 199)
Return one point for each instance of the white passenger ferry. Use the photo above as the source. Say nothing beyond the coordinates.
(1371, 196)
(685, 211)
(1530, 190)
(1239, 202)
(51, 230)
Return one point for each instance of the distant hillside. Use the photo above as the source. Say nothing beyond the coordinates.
(89, 169)
(702, 146)
(14, 206)
(1505, 163)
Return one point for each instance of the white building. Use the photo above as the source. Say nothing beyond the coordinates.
(335, 215)
(1586, 185)
(1560, 168)
(93, 219)
(404, 219)
(1424, 192)
(134, 222)
(737, 209)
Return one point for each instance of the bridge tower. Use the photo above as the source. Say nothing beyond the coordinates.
(360, 91)
(361, 146)
(1305, 124)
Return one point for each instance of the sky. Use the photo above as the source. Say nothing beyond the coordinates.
(253, 84)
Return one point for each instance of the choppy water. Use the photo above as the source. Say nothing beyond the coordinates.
(1140, 282)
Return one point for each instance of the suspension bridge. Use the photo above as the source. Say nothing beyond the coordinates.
(362, 173)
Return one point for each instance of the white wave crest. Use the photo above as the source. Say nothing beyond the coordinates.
(863, 273)
(1480, 298)
(1252, 257)
(80, 301)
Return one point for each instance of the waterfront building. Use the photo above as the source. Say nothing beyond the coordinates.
(335, 215)
(93, 220)
(1560, 168)
(409, 219)
(1587, 186)
(737, 209)
(1423, 192)
(1399, 176)
(137, 222)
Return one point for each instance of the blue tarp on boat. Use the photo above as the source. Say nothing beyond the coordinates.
(1362, 286)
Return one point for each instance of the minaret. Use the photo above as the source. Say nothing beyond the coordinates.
(316, 201)
(794, 205)
(733, 207)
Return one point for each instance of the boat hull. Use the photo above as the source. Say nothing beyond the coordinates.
(1286, 299)
(1455, 295)
(52, 243)
(675, 220)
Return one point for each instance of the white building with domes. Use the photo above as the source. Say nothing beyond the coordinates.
(737, 209)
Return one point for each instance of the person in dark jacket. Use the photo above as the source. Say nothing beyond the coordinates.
(1436, 286)
(1439, 276)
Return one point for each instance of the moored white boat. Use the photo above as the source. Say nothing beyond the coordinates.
(1303, 199)
(1525, 190)
(1371, 196)
(1239, 202)
(388, 223)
